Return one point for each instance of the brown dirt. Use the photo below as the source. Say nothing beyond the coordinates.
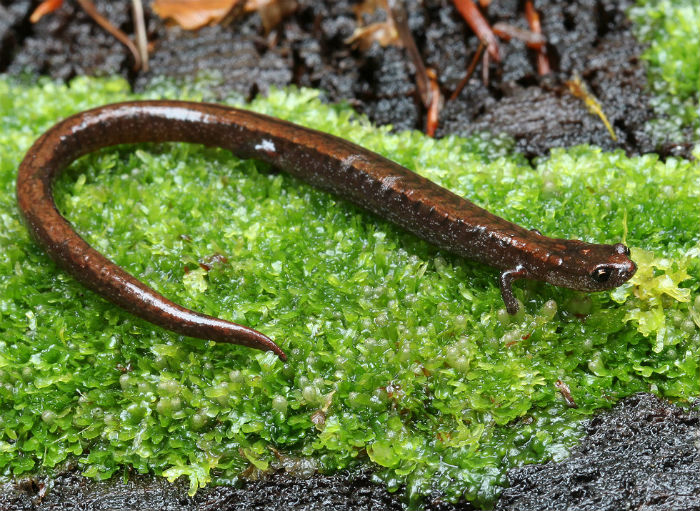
(590, 37)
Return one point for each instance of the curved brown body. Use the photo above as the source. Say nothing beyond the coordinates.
(327, 162)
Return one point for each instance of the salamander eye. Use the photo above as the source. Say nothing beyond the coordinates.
(621, 249)
(602, 274)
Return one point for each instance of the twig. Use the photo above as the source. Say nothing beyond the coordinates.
(485, 68)
(90, 9)
(470, 71)
(533, 18)
(400, 18)
(565, 391)
(44, 8)
(140, 27)
(431, 122)
(479, 25)
(507, 31)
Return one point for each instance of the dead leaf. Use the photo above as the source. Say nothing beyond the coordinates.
(271, 12)
(194, 14)
(368, 7)
(384, 32)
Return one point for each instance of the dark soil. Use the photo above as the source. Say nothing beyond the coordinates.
(590, 37)
(70, 491)
(642, 455)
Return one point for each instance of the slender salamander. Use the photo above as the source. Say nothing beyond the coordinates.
(325, 161)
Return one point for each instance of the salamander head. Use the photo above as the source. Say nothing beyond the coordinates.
(590, 267)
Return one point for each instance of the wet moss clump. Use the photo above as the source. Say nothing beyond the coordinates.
(400, 355)
(671, 29)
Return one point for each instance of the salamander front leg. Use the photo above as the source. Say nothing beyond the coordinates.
(506, 280)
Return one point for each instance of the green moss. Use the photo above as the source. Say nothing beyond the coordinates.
(671, 29)
(401, 356)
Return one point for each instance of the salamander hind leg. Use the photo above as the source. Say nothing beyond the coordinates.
(506, 281)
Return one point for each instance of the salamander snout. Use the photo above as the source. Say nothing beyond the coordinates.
(617, 270)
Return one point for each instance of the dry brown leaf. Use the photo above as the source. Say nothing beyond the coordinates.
(368, 7)
(384, 32)
(194, 14)
(271, 12)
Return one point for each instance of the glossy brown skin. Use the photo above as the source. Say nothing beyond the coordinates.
(327, 162)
